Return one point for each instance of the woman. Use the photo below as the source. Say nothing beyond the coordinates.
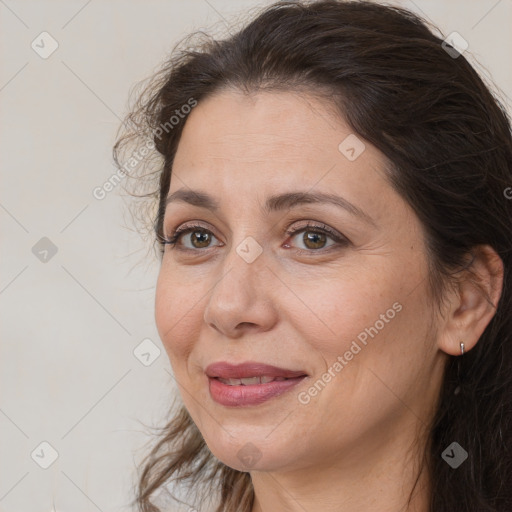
(335, 290)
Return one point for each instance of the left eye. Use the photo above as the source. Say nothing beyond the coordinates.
(315, 237)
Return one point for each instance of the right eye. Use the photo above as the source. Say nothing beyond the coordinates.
(200, 239)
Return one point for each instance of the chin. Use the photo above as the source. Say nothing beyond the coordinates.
(249, 452)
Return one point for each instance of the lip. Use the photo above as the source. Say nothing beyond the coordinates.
(253, 394)
(248, 369)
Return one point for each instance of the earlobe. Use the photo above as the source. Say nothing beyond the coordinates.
(472, 302)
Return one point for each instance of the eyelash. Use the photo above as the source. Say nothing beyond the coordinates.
(316, 228)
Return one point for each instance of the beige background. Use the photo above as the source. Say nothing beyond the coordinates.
(69, 376)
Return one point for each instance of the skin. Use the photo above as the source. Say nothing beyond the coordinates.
(355, 445)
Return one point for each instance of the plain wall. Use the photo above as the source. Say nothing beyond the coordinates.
(70, 324)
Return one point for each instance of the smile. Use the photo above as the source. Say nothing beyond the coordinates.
(250, 383)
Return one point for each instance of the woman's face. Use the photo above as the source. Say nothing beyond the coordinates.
(342, 301)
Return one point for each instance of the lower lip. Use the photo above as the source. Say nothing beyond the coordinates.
(254, 394)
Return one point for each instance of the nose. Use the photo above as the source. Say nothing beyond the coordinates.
(241, 299)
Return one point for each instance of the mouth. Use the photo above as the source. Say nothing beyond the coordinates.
(249, 383)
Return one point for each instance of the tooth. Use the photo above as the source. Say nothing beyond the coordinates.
(231, 382)
(250, 380)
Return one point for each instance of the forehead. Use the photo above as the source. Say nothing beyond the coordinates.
(271, 138)
(284, 125)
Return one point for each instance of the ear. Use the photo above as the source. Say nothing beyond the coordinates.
(472, 302)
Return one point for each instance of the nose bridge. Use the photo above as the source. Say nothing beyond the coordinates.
(244, 252)
(241, 294)
(243, 264)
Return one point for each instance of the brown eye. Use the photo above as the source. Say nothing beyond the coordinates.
(314, 240)
(190, 238)
(200, 239)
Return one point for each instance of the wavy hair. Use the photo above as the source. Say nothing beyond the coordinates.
(448, 140)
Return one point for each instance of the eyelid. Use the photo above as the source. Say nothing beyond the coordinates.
(190, 224)
(318, 226)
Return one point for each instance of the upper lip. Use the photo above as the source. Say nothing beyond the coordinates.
(248, 369)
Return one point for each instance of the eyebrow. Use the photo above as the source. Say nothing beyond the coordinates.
(277, 202)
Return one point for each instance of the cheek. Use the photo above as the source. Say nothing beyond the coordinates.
(177, 311)
(379, 351)
(365, 359)
(354, 325)
(335, 311)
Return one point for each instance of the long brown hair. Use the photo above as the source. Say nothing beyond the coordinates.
(449, 141)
